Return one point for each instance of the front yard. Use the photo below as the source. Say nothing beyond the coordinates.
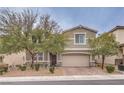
(59, 71)
(41, 72)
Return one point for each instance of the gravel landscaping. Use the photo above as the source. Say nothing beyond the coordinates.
(59, 71)
(41, 72)
(87, 71)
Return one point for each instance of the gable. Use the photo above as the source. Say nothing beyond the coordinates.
(80, 27)
(71, 32)
(118, 32)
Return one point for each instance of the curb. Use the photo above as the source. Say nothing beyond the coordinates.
(61, 78)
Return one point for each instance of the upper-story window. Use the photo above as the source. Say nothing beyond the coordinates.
(79, 39)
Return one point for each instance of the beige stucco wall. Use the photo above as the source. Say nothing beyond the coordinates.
(108, 60)
(14, 58)
(45, 57)
(115, 33)
(123, 50)
(70, 36)
(119, 34)
(77, 55)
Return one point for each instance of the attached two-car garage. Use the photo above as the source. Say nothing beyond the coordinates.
(75, 60)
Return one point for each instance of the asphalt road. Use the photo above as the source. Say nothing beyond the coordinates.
(69, 82)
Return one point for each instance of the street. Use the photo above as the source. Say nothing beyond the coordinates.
(68, 82)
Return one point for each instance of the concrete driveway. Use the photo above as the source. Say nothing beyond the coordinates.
(85, 71)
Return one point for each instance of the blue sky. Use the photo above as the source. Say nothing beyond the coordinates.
(100, 19)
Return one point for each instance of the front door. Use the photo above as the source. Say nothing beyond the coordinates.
(53, 59)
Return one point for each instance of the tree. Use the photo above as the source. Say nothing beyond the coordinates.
(54, 38)
(17, 31)
(104, 45)
(27, 31)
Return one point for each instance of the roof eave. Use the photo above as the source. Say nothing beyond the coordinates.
(115, 28)
(79, 27)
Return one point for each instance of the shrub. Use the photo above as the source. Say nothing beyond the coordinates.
(22, 68)
(37, 67)
(1, 71)
(18, 67)
(52, 69)
(110, 68)
(98, 65)
(46, 65)
(32, 66)
(5, 69)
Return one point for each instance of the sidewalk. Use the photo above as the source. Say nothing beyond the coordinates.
(61, 78)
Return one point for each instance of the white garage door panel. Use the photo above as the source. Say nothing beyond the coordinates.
(75, 60)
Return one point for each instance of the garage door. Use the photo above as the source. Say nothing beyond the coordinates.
(75, 60)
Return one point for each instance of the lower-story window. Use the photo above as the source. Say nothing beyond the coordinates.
(39, 57)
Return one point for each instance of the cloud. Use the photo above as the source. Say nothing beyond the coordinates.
(101, 19)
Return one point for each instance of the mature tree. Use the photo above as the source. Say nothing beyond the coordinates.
(27, 31)
(17, 30)
(104, 45)
(54, 39)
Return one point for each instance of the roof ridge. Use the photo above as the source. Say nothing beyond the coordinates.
(116, 27)
(81, 26)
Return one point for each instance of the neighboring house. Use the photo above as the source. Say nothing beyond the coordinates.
(118, 32)
(76, 52)
(13, 59)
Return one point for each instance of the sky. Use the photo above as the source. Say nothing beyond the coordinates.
(100, 19)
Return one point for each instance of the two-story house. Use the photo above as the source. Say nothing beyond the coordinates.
(76, 52)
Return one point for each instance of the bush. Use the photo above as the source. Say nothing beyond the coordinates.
(5, 69)
(37, 67)
(52, 69)
(18, 67)
(22, 68)
(110, 68)
(32, 66)
(98, 65)
(1, 71)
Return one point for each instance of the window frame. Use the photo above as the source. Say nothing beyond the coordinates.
(84, 38)
(37, 57)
